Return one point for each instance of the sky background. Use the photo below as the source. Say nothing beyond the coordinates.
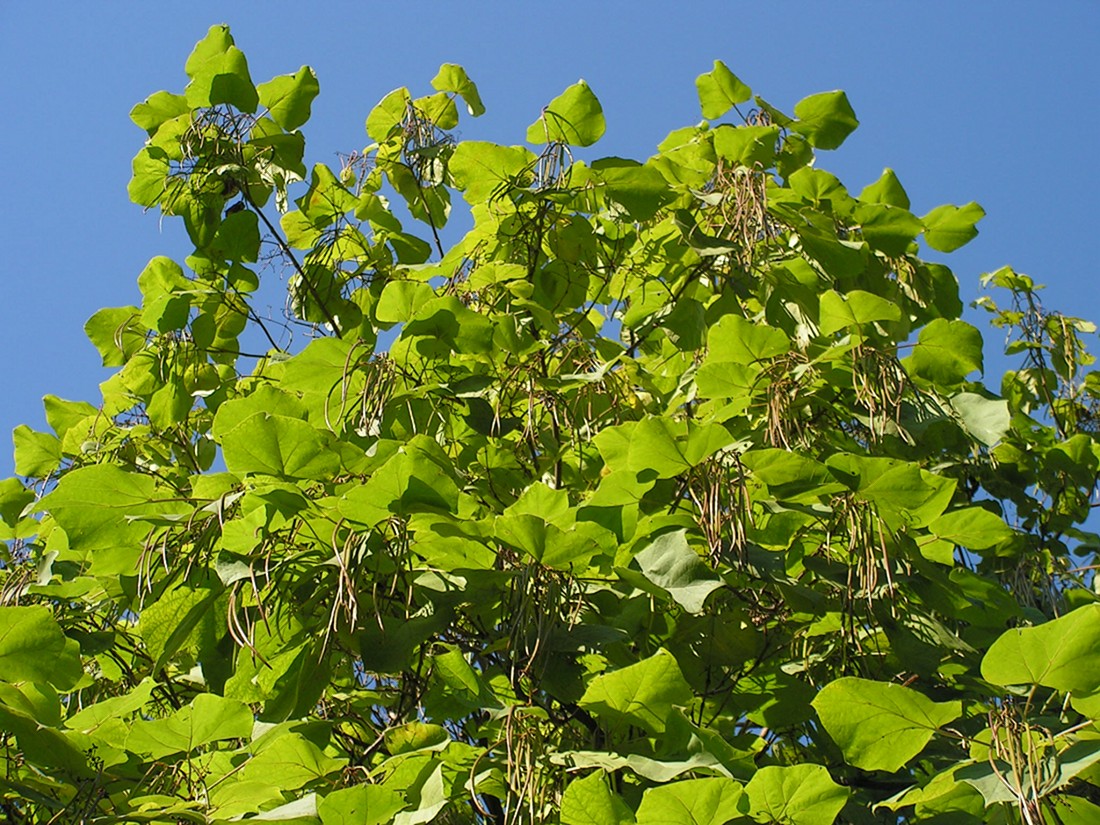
(993, 102)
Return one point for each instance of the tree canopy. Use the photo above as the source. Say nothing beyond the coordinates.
(667, 492)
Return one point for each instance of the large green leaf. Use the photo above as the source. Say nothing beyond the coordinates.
(973, 527)
(887, 189)
(719, 90)
(638, 188)
(289, 762)
(791, 476)
(219, 73)
(288, 98)
(99, 507)
(453, 78)
(737, 340)
(574, 117)
(360, 805)
(415, 479)
(33, 648)
(641, 694)
(948, 227)
(987, 419)
(672, 564)
(712, 801)
(483, 170)
(825, 119)
(280, 446)
(179, 618)
(589, 801)
(114, 333)
(209, 718)
(946, 352)
(856, 309)
(889, 229)
(36, 454)
(880, 726)
(795, 795)
(1063, 654)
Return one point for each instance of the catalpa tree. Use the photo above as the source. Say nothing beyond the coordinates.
(669, 492)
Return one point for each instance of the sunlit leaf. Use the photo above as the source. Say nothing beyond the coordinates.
(453, 78)
(589, 801)
(880, 726)
(825, 119)
(288, 98)
(712, 801)
(33, 648)
(1063, 654)
(574, 117)
(948, 227)
(719, 90)
(641, 694)
(797, 794)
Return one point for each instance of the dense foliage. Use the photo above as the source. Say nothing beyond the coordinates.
(666, 493)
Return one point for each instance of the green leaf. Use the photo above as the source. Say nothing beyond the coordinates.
(589, 801)
(360, 805)
(171, 621)
(987, 419)
(720, 90)
(209, 718)
(219, 73)
(402, 300)
(453, 78)
(14, 497)
(574, 117)
(416, 736)
(880, 726)
(747, 145)
(158, 108)
(551, 546)
(946, 352)
(712, 801)
(279, 446)
(795, 795)
(288, 98)
(856, 309)
(671, 563)
(639, 188)
(387, 116)
(98, 506)
(36, 454)
(886, 190)
(237, 238)
(266, 399)
(33, 648)
(974, 528)
(94, 715)
(1063, 654)
(948, 227)
(904, 493)
(483, 170)
(790, 475)
(416, 479)
(825, 119)
(641, 694)
(656, 770)
(889, 229)
(736, 340)
(115, 334)
(289, 762)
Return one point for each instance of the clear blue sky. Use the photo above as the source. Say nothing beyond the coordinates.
(994, 102)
